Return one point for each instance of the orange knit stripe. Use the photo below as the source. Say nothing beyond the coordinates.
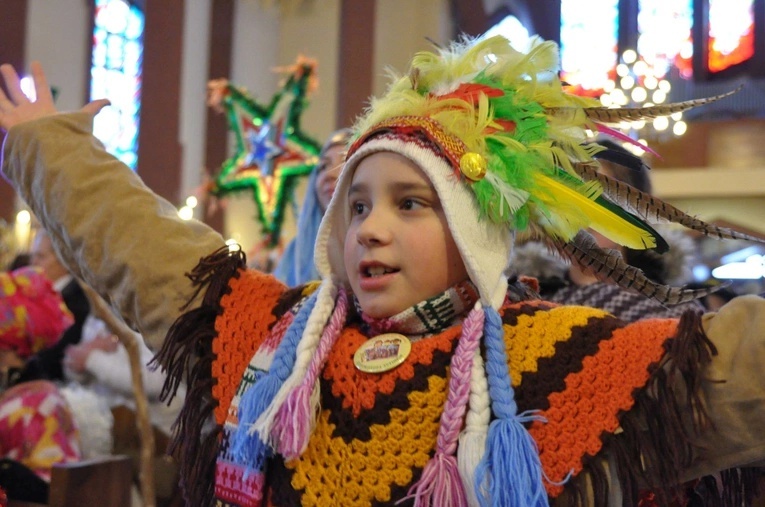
(596, 396)
(358, 389)
(241, 328)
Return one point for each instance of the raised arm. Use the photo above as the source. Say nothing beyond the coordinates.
(110, 229)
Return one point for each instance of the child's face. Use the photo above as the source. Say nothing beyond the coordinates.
(329, 169)
(398, 248)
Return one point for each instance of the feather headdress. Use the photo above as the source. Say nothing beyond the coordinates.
(509, 129)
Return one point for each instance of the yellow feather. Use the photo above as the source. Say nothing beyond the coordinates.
(577, 210)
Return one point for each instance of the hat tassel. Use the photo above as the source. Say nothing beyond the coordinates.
(296, 418)
(510, 473)
(247, 445)
(440, 484)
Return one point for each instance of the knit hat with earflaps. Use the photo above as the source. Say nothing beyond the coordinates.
(484, 246)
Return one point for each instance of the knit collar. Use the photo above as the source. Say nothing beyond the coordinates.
(427, 317)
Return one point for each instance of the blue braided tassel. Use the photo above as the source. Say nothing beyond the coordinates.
(510, 473)
(251, 449)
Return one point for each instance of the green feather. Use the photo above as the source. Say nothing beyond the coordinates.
(661, 243)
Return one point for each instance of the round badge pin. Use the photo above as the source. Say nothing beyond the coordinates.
(382, 353)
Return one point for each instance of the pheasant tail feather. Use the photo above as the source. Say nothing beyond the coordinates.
(654, 209)
(608, 266)
(617, 115)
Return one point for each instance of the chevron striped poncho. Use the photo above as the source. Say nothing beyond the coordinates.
(588, 374)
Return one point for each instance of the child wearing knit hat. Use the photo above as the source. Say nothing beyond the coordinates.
(32, 316)
(414, 372)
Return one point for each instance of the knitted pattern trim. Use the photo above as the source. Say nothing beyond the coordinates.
(427, 317)
(236, 482)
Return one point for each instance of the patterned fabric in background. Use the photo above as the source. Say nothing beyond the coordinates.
(627, 306)
(37, 428)
(32, 313)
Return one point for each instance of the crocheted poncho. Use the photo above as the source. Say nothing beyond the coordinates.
(588, 373)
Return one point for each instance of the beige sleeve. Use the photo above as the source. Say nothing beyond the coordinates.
(734, 388)
(109, 228)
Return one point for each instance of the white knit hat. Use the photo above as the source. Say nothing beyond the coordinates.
(485, 246)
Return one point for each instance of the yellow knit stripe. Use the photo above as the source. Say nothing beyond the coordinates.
(534, 336)
(332, 472)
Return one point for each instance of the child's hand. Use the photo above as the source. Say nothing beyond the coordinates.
(105, 342)
(75, 357)
(17, 108)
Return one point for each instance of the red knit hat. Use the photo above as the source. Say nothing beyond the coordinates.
(32, 313)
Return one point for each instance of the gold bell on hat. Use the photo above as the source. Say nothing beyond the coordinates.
(473, 166)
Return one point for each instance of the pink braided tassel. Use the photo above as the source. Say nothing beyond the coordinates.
(296, 418)
(440, 484)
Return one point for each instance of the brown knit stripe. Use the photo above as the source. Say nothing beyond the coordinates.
(349, 426)
(534, 337)
(551, 372)
(596, 396)
(357, 400)
(511, 312)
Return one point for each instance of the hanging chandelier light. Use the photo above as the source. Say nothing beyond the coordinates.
(637, 85)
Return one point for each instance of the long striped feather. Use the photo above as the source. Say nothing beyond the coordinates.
(574, 209)
(609, 266)
(654, 209)
(619, 114)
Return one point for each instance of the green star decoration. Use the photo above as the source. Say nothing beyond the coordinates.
(272, 152)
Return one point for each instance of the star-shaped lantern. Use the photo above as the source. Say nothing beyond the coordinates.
(272, 152)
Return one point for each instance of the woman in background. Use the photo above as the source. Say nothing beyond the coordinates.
(297, 266)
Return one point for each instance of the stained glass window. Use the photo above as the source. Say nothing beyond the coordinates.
(589, 43)
(731, 33)
(116, 75)
(513, 30)
(664, 35)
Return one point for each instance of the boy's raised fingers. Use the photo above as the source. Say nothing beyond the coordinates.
(95, 107)
(42, 88)
(13, 84)
(5, 104)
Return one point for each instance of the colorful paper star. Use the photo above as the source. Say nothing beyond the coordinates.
(272, 152)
